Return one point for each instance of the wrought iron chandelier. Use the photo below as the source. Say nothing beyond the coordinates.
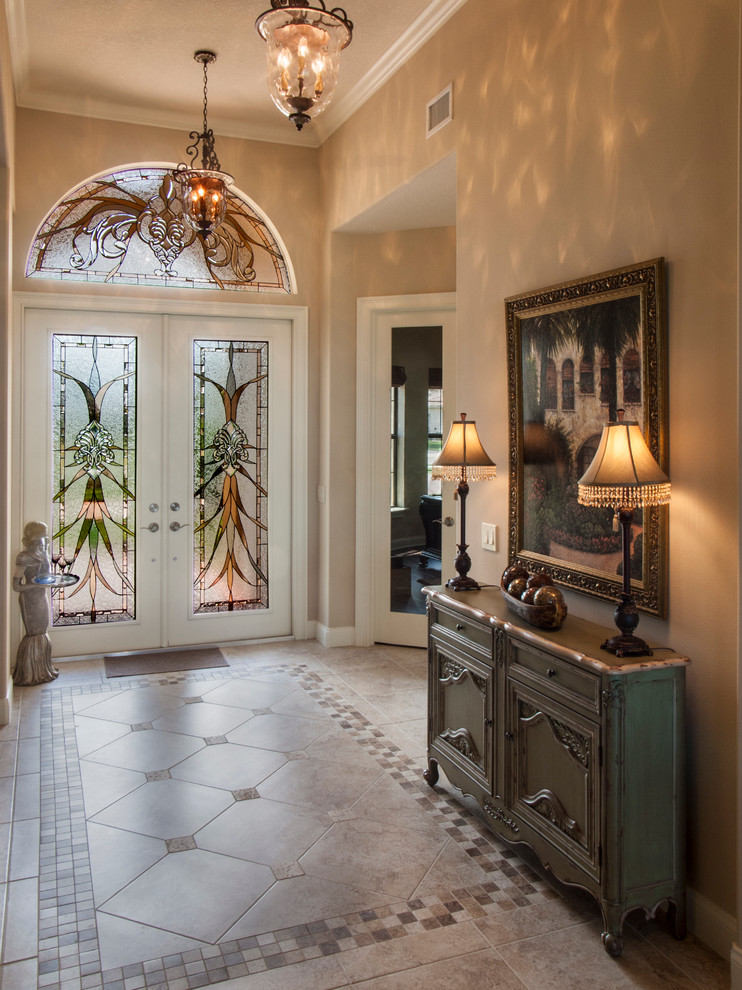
(304, 44)
(203, 191)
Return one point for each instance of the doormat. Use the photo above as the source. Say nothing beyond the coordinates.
(163, 662)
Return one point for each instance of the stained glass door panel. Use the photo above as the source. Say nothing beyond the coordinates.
(94, 391)
(229, 467)
(91, 448)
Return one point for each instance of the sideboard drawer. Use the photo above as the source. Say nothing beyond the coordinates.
(555, 676)
(473, 632)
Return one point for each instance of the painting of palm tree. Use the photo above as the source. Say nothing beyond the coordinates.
(611, 328)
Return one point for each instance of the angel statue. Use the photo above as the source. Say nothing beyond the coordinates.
(33, 661)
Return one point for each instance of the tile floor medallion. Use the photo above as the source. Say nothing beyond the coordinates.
(206, 826)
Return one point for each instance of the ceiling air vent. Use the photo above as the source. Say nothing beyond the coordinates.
(439, 111)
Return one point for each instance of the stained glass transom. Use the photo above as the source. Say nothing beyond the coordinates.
(127, 226)
(94, 476)
(230, 420)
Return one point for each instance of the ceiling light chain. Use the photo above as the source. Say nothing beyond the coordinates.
(203, 191)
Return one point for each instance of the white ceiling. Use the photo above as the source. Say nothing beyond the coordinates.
(132, 60)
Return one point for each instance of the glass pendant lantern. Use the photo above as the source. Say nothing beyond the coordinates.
(203, 191)
(304, 45)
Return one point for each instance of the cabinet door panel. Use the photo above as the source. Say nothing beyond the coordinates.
(462, 710)
(554, 774)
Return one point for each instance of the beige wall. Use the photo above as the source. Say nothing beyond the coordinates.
(587, 136)
(7, 145)
(360, 265)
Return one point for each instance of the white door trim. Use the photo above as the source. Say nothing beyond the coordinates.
(297, 316)
(374, 314)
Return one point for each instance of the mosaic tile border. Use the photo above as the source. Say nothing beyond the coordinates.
(69, 957)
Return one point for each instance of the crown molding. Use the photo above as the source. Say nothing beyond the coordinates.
(280, 133)
(417, 34)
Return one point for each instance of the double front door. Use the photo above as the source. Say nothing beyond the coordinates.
(158, 451)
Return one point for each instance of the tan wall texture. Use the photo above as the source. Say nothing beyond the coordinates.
(590, 136)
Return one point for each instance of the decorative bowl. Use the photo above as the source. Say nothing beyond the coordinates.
(542, 616)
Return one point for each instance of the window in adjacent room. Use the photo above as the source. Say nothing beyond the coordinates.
(435, 425)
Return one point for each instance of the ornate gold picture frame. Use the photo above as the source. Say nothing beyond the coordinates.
(577, 352)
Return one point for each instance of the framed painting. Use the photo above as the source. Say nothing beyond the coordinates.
(577, 353)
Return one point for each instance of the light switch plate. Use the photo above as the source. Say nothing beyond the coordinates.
(489, 536)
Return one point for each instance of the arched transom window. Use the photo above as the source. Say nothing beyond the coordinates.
(127, 226)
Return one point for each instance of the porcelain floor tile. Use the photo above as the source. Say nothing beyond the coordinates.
(373, 855)
(339, 746)
(386, 801)
(452, 869)
(133, 706)
(124, 943)
(93, 733)
(301, 900)
(282, 733)
(318, 784)
(263, 831)
(316, 974)
(484, 970)
(147, 750)
(709, 970)
(102, 785)
(24, 853)
(195, 893)
(300, 703)
(403, 954)
(118, 857)
(251, 692)
(574, 958)
(534, 919)
(203, 719)
(166, 809)
(383, 677)
(229, 765)
(401, 706)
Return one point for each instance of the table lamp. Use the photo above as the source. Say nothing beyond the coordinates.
(462, 460)
(623, 475)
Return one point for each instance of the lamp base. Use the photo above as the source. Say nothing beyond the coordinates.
(463, 584)
(627, 646)
(626, 618)
(462, 563)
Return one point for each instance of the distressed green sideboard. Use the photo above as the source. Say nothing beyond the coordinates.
(575, 752)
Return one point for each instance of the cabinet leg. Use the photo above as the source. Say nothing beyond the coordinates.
(431, 774)
(676, 917)
(613, 944)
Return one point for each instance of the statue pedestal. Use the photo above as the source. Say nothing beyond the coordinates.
(32, 578)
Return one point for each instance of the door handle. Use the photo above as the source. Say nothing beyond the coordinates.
(153, 527)
(175, 526)
(448, 521)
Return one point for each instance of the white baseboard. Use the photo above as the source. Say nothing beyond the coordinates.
(736, 967)
(310, 630)
(335, 635)
(714, 927)
(6, 704)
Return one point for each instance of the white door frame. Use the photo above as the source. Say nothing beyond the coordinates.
(297, 316)
(375, 316)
